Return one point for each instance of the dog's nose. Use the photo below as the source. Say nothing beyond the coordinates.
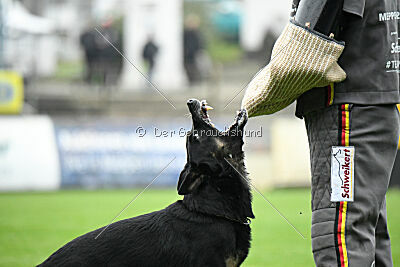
(191, 101)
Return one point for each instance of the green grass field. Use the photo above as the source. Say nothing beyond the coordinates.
(33, 225)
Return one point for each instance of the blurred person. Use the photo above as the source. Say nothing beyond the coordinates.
(149, 55)
(109, 59)
(106, 62)
(87, 41)
(192, 46)
(352, 123)
(103, 62)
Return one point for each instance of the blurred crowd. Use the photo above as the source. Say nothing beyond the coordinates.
(103, 48)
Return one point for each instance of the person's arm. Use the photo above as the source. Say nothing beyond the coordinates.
(323, 16)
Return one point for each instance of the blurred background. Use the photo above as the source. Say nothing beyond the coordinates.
(93, 106)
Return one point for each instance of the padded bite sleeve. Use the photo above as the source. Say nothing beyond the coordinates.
(301, 59)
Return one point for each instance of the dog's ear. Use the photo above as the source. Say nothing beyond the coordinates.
(237, 128)
(188, 181)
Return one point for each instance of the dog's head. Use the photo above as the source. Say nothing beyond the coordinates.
(209, 149)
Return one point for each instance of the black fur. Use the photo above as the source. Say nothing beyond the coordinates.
(207, 228)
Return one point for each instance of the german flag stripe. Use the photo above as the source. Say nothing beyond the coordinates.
(331, 92)
(345, 125)
(341, 207)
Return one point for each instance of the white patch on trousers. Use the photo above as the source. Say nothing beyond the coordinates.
(342, 173)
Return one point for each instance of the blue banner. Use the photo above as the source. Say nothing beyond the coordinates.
(120, 156)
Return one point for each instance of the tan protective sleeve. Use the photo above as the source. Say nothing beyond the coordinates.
(301, 60)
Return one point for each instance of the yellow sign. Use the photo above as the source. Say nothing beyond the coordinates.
(11, 92)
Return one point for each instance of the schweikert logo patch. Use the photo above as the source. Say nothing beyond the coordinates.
(342, 173)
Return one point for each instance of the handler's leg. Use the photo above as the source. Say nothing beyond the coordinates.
(383, 253)
(343, 233)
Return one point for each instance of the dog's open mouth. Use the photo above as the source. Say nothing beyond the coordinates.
(204, 111)
(200, 110)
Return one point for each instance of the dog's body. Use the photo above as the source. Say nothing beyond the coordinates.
(174, 236)
(209, 227)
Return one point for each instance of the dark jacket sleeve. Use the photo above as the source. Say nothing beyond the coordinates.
(322, 15)
(355, 7)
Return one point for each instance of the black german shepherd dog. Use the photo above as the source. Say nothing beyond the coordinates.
(209, 227)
